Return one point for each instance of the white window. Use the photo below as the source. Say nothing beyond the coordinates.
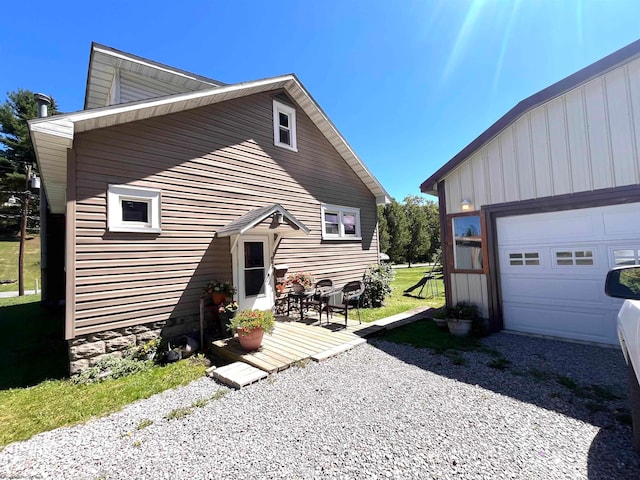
(284, 126)
(574, 257)
(340, 223)
(524, 259)
(133, 209)
(626, 256)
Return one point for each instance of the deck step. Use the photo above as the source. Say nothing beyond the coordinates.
(332, 352)
(238, 374)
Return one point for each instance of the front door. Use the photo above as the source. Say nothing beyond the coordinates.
(253, 270)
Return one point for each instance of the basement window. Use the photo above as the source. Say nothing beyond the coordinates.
(284, 126)
(133, 209)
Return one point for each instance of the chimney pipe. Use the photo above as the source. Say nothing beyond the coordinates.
(43, 103)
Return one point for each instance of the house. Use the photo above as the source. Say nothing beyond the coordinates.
(542, 204)
(170, 179)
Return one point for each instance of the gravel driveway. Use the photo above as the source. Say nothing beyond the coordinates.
(379, 411)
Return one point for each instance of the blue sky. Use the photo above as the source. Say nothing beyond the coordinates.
(408, 83)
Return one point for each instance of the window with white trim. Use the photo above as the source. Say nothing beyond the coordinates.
(626, 256)
(340, 223)
(133, 209)
(524, 259)
(284, 126)
(574, 257)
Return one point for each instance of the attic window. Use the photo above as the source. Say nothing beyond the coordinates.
(284, 126)
(133, 209)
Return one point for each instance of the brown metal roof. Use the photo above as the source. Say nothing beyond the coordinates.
(572, 81)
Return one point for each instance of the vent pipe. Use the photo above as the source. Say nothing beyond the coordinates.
(43, 104)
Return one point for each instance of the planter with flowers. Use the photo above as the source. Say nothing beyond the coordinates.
(461, 317)
(300, 281)
(219, 291)
(250, 325)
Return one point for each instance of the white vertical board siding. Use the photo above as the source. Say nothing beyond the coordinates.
(583, 140)
(471, 288)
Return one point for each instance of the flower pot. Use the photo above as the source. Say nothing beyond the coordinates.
(218, 298)
(250, 340)
(440, 322)
(459, 328)
(297, 288)
(224, 319)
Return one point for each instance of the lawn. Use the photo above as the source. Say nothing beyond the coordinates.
(9, 249)
(35, 397)
(398, 302)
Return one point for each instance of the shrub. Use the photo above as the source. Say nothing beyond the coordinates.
(377, 283)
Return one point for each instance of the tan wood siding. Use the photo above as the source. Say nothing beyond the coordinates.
(212, 164)
(583, 140)
(471, 288)
(135, 87)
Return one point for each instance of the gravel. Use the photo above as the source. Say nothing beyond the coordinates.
(378, 411)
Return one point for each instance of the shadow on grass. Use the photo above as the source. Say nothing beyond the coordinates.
(32, 345)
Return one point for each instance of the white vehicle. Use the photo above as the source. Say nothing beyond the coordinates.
(624, 282)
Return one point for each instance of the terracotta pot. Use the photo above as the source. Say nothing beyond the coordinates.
(218, 298)
(250, 340)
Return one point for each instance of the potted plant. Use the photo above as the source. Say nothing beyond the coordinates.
(250, 325)
(462, 317)
(440, 316)
(219, 291)
(300, 281)
(226, 311)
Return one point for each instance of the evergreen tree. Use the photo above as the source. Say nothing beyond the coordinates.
(383, 230)
(432, 214)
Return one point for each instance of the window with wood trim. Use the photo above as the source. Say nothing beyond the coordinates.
(467, 243)
(284, 126)
(133, 209)
(340, 223)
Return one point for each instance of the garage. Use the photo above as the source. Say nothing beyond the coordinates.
(552, 269)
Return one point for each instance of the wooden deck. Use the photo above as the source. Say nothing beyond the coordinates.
(295, 341)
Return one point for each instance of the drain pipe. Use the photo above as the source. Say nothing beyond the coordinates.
(43, 103)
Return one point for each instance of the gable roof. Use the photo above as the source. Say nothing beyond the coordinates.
(52, 136)
(106, 63)
(596, 69)
(290, 226)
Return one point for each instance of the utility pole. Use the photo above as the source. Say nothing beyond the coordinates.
(23, 233)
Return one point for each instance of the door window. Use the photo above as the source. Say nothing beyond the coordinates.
(254, 272)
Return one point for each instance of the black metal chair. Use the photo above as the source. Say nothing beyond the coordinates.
(351, 298)
(319, 301)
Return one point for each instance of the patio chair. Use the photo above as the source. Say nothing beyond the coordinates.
(319, 301)
(351, 298)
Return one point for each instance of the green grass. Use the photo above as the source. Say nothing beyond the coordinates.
(425, 334)
(9, 249)
(32, 345)
(28, 411)
(397, 303)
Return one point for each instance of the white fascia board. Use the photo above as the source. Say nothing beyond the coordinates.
(330, 131)
(54, 126)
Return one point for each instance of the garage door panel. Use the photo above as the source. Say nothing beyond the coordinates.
(557, 321)
(576, 293)
(553, 266)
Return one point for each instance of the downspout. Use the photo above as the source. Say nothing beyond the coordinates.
(43, 103)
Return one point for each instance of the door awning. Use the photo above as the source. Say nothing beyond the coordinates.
(268, 219)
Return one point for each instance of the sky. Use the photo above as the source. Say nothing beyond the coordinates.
(408, 83)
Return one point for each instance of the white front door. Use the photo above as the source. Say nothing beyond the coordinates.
(253, 271)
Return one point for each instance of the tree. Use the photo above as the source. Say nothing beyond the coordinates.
(398, 231)
(432, 214)
(418, 238)
(383, 230)
(15, 143)
(18, 161)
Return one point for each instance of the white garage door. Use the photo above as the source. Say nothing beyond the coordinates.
(553, 266)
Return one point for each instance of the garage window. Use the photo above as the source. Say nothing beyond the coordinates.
(626, 256)
(524, 259)
(467, 243)
(574, 258)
